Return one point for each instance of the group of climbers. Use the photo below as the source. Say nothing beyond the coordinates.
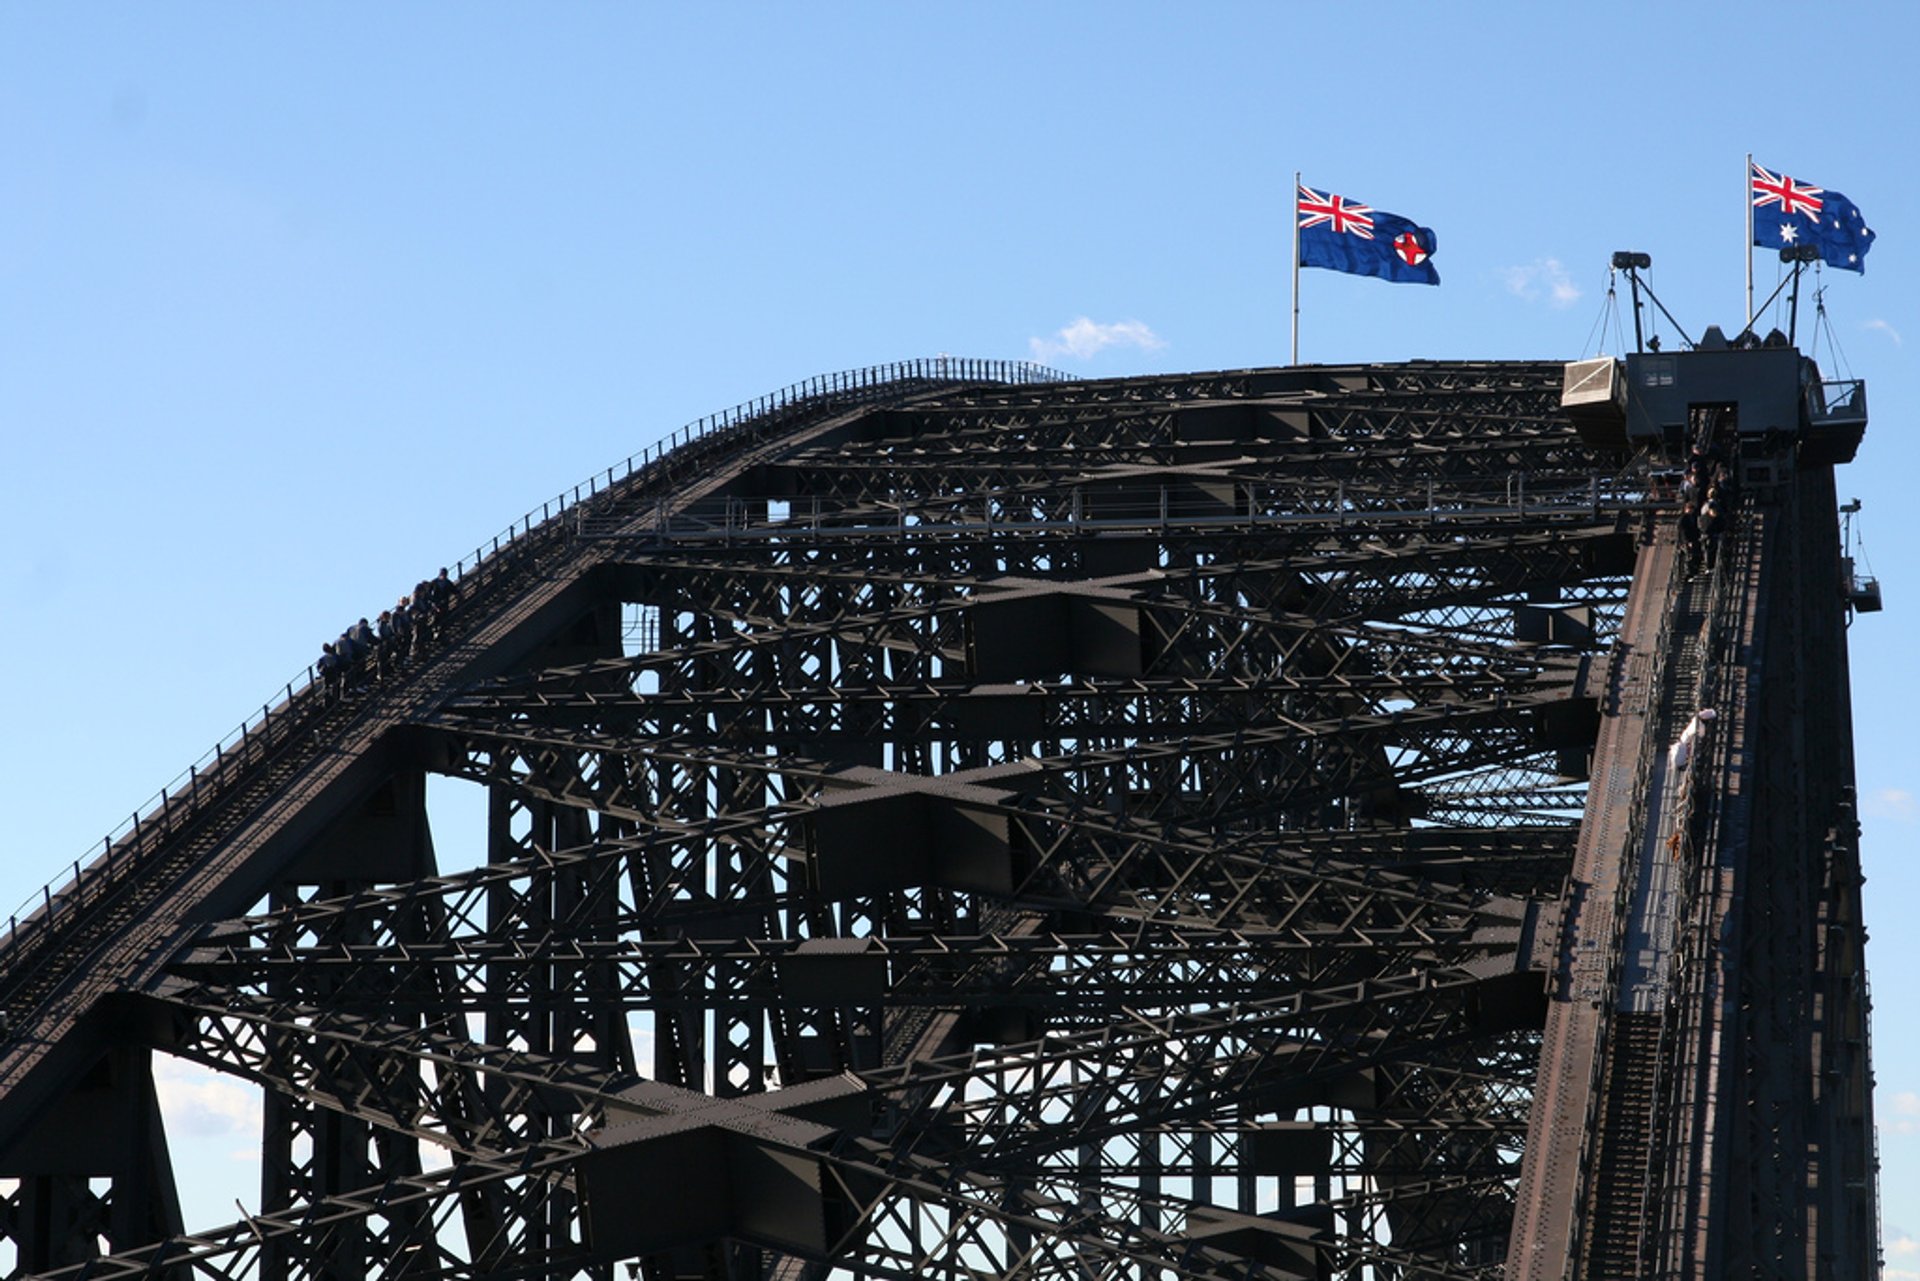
(375, 651)
(1709, 495)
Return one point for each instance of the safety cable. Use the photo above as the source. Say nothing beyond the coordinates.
(1609, 309)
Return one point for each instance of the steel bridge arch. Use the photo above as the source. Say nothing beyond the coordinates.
(947, 819)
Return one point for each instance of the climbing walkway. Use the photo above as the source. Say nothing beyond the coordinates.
(1623, 1173)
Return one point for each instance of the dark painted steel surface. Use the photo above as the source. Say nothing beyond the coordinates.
(943, 826)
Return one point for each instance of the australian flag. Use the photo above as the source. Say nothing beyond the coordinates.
(1787, 213)
(1342, 235)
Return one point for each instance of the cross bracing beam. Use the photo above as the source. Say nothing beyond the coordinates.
(529, 756)
(1059, 974)
(1071, 851)
(794, 603)
(476, 1100)
(415, 918)
(1009, 1103)
(1026, 466)
(1184, 507)
(1086, 711)
(1101, 706)
(422, 1081)
(884, 1189)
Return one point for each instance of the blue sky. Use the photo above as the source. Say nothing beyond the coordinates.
(298, 303)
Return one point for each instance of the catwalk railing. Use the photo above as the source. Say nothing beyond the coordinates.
(1620, 911)
(1710, 640)
(123, 849)
(1715, 686)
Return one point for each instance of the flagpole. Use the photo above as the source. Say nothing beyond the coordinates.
(1747, 185)
(1293, 216)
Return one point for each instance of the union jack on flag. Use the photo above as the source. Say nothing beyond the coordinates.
(1791, 197)
(1337, 213)
(1345, 235)
(1787, 213)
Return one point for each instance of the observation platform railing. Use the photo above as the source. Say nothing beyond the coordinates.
(1837, 401)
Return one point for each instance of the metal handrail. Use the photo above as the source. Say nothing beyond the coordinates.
(252, 737)
(1712, 687)
(1837, 400)
(1621, 908)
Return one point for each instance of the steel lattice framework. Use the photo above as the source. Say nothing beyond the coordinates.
(937, 826)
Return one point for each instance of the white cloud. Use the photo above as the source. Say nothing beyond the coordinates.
(1900, 1113)
(1086, 337)
(1895, 803)
(1542, 278)
(1886, 329)
(199, 1102)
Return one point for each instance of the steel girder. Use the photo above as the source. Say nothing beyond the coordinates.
(1110, 827)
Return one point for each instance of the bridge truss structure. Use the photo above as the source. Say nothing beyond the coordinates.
(960, 823)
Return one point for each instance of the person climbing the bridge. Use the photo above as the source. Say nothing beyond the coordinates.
(363, 643)
(1689, 538)
(444, 593)
(1680, 755)
(389, 645)
(330, 667)
(1693, 483)
(402, 630)
(1727, 486)
(1680, 774)
(352, 656)
(423, 615)
(433, 599)
(1713, 523)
